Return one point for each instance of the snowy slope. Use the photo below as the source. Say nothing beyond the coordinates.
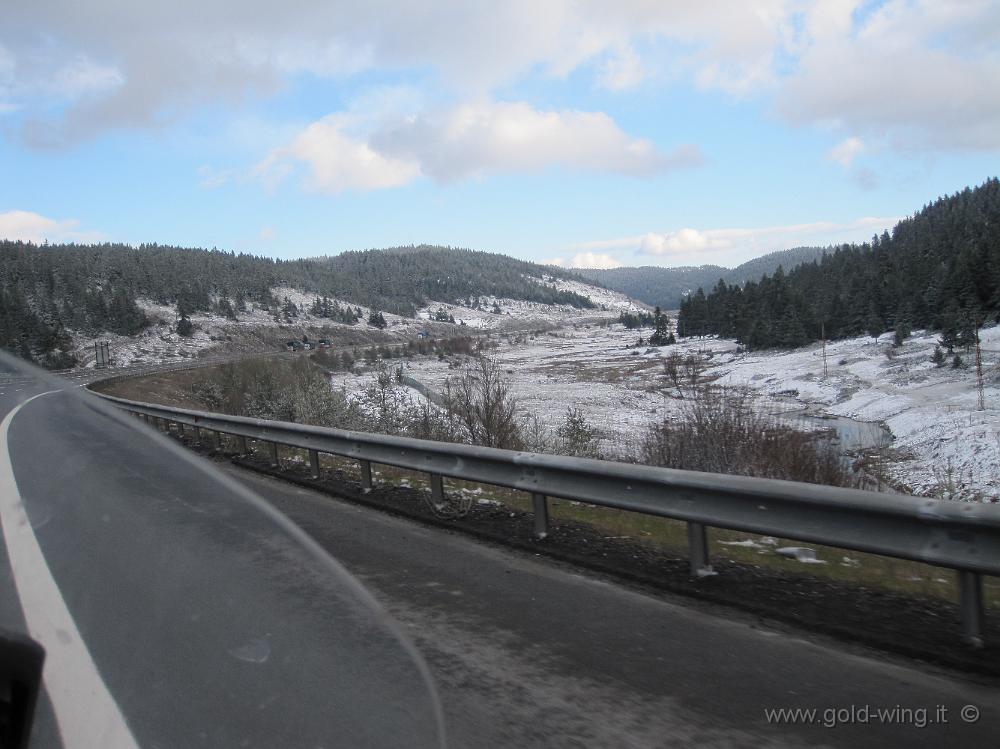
(942, 444)
(159, 343)
(516, 313)
(946, 444)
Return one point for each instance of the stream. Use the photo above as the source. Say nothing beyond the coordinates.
(851, 435)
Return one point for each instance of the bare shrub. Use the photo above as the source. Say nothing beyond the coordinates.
(481, 399)
(288, 391)
(682, 371)
(536, 436)
(720, 430)
(428, 422)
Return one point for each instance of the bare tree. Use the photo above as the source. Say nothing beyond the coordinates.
(483, 402)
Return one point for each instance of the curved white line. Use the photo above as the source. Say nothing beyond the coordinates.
(87, 714)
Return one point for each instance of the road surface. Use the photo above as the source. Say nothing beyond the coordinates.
(175, 610)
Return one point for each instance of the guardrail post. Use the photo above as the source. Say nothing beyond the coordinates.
(366, 475)
(970, 606)
(218, 441)
(698, 550)
(180, 430)
(275, 462)
(541, 506)
(314, 463)
(437, 487)
(243, 445)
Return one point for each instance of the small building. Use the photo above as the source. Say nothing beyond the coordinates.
(324, 343)
(294, 345)
(423, 334)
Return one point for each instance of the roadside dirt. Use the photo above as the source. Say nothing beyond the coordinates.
(172, 388)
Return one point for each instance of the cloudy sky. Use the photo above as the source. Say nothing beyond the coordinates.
(585, 133)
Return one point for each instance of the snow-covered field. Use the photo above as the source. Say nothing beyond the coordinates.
(159, 343)
(946, 443)
(517, 314)
(587, 367)
(942, 444)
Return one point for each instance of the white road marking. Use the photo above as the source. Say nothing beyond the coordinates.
(87, 714)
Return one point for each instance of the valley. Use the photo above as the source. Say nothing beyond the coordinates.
(916, 423)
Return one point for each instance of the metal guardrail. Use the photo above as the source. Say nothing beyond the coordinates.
(964, 537)
(432, 395)
(110, 375)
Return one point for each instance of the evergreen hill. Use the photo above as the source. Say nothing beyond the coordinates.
(47, 290)
(939, 269)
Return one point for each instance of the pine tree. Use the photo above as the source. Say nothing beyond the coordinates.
(661, 333)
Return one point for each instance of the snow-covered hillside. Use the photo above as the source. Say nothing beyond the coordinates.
(497, 313)
(947, 444)
(160, 343)
(942, 444)
(604, 298)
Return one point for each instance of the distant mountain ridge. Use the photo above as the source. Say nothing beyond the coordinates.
(667, 287)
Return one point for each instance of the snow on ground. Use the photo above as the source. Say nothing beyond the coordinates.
(945, 444)
(942, 444)
(587, 366)
(612, 300)
(519, 314)
(159, 343)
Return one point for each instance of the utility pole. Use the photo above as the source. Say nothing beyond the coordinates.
(822, 334)
(979, 372)
(102, 354)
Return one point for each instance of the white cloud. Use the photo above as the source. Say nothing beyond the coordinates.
(267, 233)
(622, 71)
(6, 80)
(733, 245)
(336, 161)
(915, 72)
(911, 73)
(33, 227)
(165, 58)
(489, 137)
(683, 241)
(82, 76)
(467, 141)
(846, 151)
(585, 260)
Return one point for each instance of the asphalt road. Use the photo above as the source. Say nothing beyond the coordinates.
(530, 653)
(178, 612)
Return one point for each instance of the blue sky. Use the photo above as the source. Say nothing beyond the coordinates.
(585, 133)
